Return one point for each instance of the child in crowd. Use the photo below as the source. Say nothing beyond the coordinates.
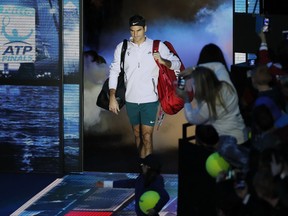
(149, 179)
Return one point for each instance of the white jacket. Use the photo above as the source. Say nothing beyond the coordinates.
(141, 70)
(219, 70)
(229, 122)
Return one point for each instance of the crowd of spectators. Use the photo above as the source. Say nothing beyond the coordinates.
(257, 180)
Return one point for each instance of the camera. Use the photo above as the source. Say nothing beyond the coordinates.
(181, 83)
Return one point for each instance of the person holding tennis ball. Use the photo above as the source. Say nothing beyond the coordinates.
(150, 193)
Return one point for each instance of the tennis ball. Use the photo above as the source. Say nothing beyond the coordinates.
(148, 200)
(215, 164)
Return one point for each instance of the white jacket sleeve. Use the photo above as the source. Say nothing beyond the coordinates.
(166, 54)
(196, 116)
(115, 67)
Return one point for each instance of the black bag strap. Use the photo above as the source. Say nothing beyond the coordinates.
(123, 51)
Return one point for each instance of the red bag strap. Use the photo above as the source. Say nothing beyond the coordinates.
(161, 113)
(155, 48)
(156, 45)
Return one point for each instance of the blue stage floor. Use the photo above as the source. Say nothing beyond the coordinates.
(77, 194)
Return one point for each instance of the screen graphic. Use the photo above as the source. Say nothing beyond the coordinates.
(17, 40)
(29, 41)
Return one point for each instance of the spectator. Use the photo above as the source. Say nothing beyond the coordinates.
(275, 160)
(267, 189)
(261, 81)
(236, 155)
(149, 179)
(280, 118)
(278, 63)
(277, 66)
(263, 125)
(211, 56)
(215, 102)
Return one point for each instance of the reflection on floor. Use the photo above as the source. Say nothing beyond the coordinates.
(76, 194)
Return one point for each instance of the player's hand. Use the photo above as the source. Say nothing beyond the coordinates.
(113, 105)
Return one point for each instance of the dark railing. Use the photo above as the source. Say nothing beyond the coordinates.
(185, 136)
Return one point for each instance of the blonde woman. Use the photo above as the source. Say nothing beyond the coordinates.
(215, 102)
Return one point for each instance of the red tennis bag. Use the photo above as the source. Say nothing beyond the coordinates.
(169, 101)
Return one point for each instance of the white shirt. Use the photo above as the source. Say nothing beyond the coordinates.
(141, 70)
(228, 122)
(219, 70)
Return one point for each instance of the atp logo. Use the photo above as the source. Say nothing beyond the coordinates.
(17, 35)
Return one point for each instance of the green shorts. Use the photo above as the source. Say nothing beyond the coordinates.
(144, 113)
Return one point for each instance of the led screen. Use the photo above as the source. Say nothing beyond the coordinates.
(40, 110)
(30, 89)
(71, 88)
(29, 128)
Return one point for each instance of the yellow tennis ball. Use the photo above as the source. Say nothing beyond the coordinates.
(215, 164)
(148, 200)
